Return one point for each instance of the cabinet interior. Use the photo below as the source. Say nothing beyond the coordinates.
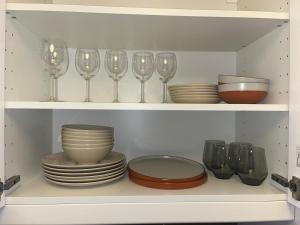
(32, 133)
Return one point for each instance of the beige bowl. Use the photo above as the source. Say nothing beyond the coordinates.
(87, 136)
(91, 156)
(92, 142)
(86, 128)
(227, 79)
(88, 148)
(87, 145)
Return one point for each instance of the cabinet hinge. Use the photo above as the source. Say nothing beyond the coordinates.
(9, 183)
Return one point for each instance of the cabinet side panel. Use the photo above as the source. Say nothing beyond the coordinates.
(268, 57)
(25, 77)
(263, 5)
(269, 131)
(28, 135)
(2, 49)
(294, 151)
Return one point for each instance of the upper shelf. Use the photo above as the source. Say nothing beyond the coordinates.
(147, 28)
(146, 106)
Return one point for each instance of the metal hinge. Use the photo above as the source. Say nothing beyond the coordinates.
(9, 183)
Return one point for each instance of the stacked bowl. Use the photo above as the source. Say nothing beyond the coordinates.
(194, 93)
(242, 90)
(87, 144)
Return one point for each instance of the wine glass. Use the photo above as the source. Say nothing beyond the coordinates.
(116, 65)
(143, 68)
(87, 63)
(166, 66)
(55, 55)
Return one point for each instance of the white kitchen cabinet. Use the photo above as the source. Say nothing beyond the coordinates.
(209, 37)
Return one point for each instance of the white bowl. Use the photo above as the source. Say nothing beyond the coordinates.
(88, 148)
(244, 87)
(86, 145)
(85, 136)
(91, 156)
(226, 79)
(86, 128)
(76, 141)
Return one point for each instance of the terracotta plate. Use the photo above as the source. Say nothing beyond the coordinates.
(168, 185)
(166, 168)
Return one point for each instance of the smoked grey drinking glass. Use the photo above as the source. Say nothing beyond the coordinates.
(234, 151)
(219, 165)
(209, 147)
(252, 167)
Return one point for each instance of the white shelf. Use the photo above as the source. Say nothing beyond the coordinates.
(147, 28)
(132, 203)
(38, 191)
(146, 106)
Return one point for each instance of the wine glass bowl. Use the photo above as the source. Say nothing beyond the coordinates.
(116, 65)
(87, 63)
(166, 67)
(143, 68)
(54, 54)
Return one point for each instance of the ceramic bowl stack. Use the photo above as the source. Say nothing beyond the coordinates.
(61, 170)
(194, 93)
(242, 90)
(87, 144)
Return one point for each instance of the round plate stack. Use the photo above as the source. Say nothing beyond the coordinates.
(87, 144)
(194, 93)
(166, 172)
(61, 170)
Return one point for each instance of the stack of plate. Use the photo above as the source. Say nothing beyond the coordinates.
(166, 172)
(194, 93)
(61, 170)
(87, 144)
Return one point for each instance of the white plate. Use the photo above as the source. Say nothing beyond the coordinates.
(197, 101)
(86, 178)
(83, 172)
(85, 184)
(60, 160)
(193, 92)
(192, 85)
(195, 96)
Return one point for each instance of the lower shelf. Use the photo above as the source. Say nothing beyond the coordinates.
(127, 203)
(39, 191)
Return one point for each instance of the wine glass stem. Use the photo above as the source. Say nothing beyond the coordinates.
(116, 97)
(51, 89)
(165, 97)
(142, 92)
(55, 89)
(87, 82)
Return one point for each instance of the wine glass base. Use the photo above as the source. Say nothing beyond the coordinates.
(87, 100)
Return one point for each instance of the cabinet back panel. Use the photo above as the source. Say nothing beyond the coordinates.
(140, 133)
